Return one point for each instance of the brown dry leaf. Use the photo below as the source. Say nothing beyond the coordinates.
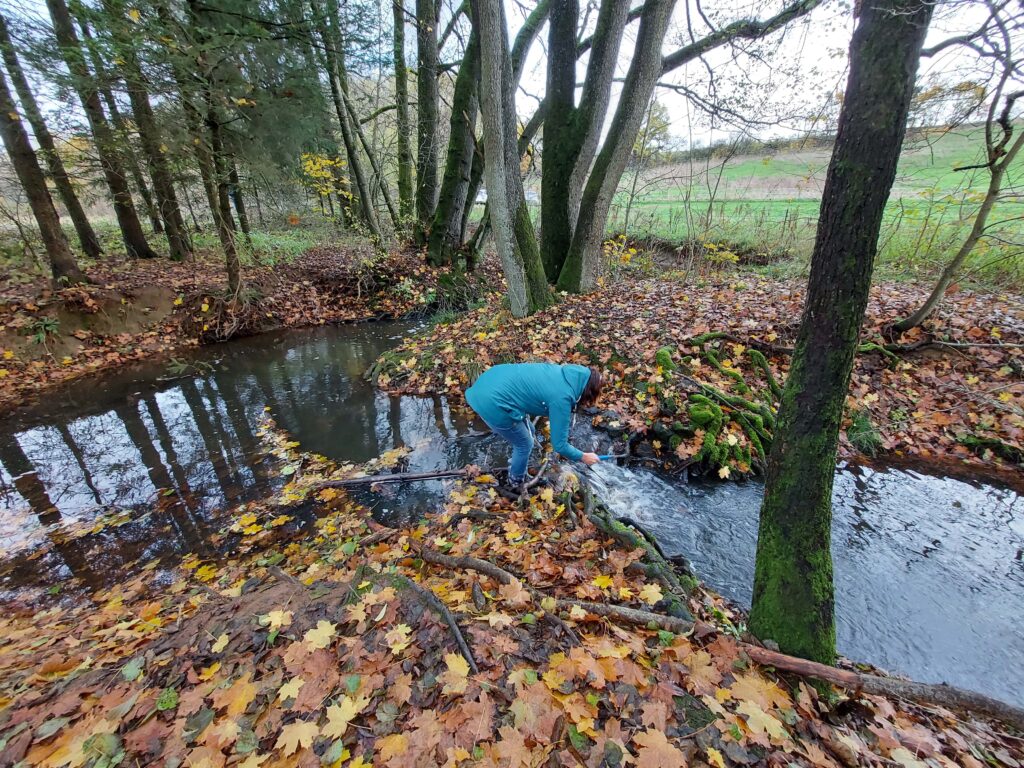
(656, 751)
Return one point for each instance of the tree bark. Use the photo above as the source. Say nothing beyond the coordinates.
(238, 199)
(446, 232)
(509, 216)
(406, 202)
(222, 211)
(127, 153)
(571, 132)
(464, 164)
(426, 116)
(124, 208)
(328, 28)
(793, 589)
(180, 247)
(62, 261)
(582, 264)
(62, 181)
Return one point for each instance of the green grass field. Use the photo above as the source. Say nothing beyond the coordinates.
(770, 202)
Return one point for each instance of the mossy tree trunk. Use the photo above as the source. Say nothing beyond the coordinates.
(62, 181)
(571, 132)
(124, 209)
(509, 216)
(427, 100)
(446, 232)
(793, 590)
(62, 261)
(124, 148)
(579, 273)
(406, 201)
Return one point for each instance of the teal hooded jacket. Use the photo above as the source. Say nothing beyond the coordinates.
(506, 394)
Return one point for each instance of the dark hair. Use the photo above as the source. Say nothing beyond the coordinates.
(593, 388)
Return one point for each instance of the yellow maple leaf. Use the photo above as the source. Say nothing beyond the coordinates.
(397, 638)
(715, 758)
(327, 494)
(456, 676)
(577, 613)
(276, 619)
(255, 760)
(221, 643)
(651, 594)
(392, 746)
(321, 635)
(760, 721)
(134, 15)
(603, 581)
(206, 572)
(290, 690)
(295, 735)
(723, 472)
(341, 714)
(625, 593)
(209, 671)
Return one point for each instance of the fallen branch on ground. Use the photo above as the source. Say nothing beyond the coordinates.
(397, 477)
(944, 695)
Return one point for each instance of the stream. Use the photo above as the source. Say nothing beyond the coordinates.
(136, 469)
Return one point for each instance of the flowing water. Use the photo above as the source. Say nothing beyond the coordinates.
(136, 469)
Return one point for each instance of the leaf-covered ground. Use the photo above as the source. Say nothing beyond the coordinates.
(333, 649)
(142, 309)
(954, 391)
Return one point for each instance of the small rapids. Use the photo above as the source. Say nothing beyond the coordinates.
(929, 571)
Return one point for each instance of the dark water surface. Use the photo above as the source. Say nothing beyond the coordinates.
(128, 470)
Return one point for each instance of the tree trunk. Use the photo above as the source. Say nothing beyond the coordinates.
(426, 116)
(124, 208)
(328, 30)
(510, 218)
(997, 172)
(405, 162)
(793, 589)
(382, 182)
(222, 211)
(152, 144)
(446, 232)
(583, 262)
(464, 167)
(571, 133)
(62, 181)
(235, 191)
(62, 261)
(124, 148)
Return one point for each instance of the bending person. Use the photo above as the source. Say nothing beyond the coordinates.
(505, 396)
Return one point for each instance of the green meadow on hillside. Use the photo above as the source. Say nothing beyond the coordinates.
(768, 203)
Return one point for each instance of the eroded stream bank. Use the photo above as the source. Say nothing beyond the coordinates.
(930, 578)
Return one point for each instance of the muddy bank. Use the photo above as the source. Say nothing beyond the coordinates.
(145, 310)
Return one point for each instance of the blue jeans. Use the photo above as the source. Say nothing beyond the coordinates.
(520, 437)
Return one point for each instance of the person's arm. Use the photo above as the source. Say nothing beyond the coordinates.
(559, 415)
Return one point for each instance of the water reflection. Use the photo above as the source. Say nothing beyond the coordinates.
(174, 454)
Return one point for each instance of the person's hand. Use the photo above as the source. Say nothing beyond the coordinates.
(590, 459)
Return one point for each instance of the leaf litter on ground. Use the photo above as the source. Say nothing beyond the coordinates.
(330, 658)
